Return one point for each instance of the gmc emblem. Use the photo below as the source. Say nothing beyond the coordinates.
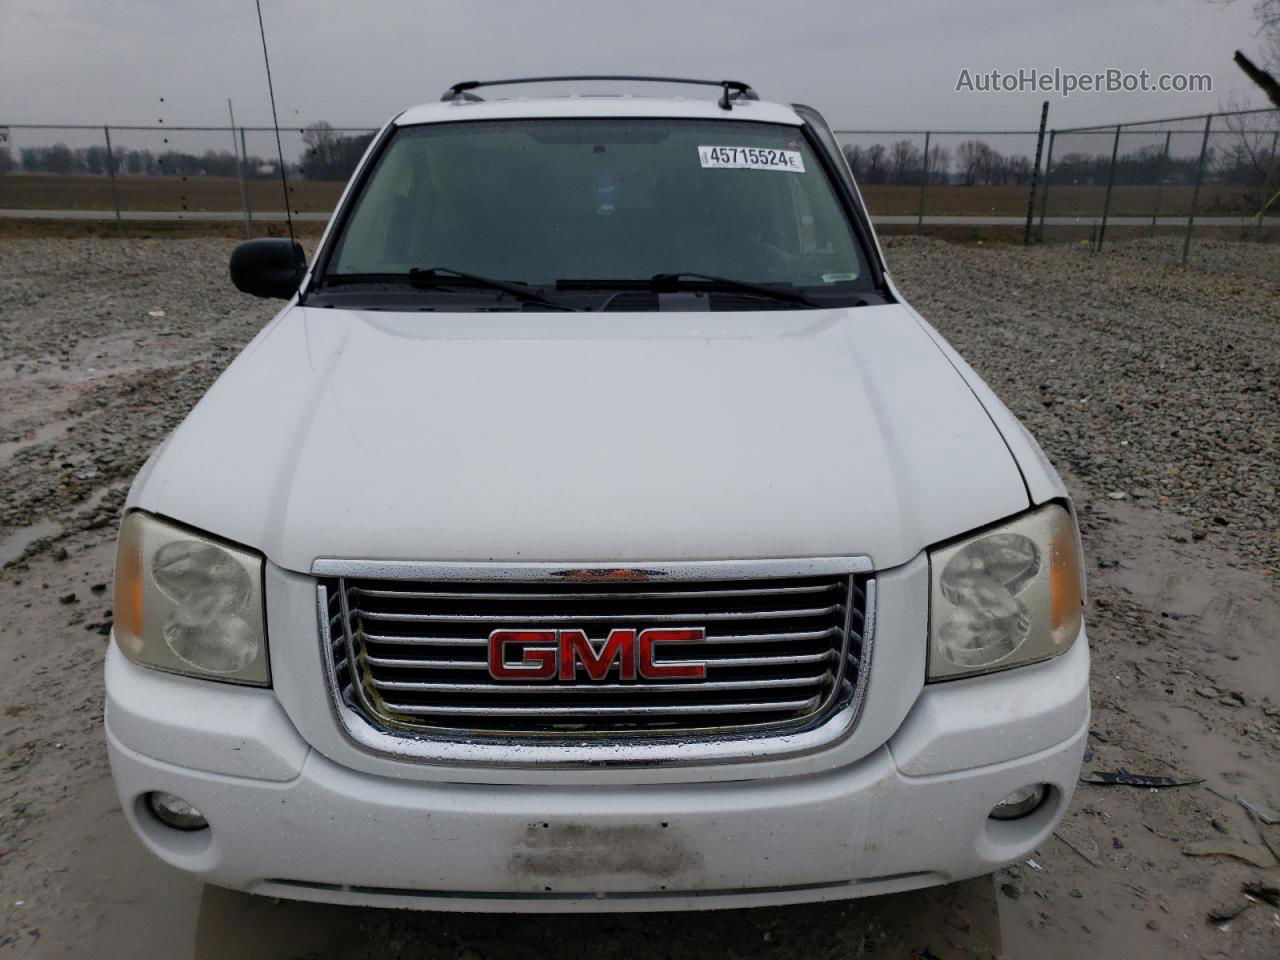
(548, 654)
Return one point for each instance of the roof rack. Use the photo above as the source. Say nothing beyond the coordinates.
(733, 89)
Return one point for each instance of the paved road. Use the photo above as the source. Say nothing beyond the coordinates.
(224, 216)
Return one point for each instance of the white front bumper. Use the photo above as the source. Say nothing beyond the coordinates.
(288, 821)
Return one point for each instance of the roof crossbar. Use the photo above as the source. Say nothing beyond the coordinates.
(733, 89)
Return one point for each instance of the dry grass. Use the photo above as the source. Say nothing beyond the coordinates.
(173, 229)
(1063, 200)
(49, 192)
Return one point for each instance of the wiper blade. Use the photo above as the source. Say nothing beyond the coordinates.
(671, 282)
(430, 277)
(676, 280)
(361, 279)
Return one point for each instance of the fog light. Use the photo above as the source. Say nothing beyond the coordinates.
(1019, 803)
(175, 811)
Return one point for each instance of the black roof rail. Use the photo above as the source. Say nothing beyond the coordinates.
(733, 89)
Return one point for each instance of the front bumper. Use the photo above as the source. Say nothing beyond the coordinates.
(287, 821)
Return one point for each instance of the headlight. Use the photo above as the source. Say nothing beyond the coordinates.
(188, 603)
(1006, 597)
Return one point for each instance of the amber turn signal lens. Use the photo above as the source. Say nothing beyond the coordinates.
(1066, 600)
(127, 609)
(1007, 596)
(188, 603)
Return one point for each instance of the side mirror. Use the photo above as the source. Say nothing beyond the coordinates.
(268, 267)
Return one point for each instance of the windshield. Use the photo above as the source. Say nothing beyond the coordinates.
(546, 201)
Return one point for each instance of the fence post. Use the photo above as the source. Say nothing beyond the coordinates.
(244, 196)
(1274, 165)
(1195, 193)
(111, 172)
(248, 204)
(1164, 159)
(924, 184)
(1111, 179)
(1035, 174)
(1044, 194)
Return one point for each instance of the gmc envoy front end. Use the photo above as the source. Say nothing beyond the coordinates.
(595, 528)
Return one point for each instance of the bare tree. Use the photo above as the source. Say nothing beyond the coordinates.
(856, 157)
(976, 161)
(320, 140)
(1018, 168)
(331, 155)
(905, 162)
(877, 163)
(939, 164)
(1270, 86)
(1252, 159)
(1267, 13)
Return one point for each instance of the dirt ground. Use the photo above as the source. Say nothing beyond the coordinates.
(1152, 387)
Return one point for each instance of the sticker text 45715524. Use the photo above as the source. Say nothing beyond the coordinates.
(751, 158)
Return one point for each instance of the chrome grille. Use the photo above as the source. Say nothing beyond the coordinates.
(780, 653)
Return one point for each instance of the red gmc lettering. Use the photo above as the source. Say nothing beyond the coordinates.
(653, 669)
(575, 648)
(538, 649)
(548, 654)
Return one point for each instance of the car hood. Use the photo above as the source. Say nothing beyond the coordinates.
(587, 437)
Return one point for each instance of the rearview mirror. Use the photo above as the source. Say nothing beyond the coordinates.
(268, 267)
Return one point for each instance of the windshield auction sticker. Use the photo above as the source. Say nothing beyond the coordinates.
(751, 158)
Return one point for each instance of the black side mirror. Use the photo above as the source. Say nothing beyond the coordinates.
(268, 267)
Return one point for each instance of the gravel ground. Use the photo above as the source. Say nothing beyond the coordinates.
(1152, 387)
(1140, 377)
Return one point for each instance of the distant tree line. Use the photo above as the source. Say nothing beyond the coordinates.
(62, 159)
(1241, 162)
(903, 162)
(975, 162)
(327, 155)
(331, 155)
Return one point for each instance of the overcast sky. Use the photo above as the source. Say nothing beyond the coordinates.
(355, 62)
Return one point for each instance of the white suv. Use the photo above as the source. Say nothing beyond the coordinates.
(595, 528)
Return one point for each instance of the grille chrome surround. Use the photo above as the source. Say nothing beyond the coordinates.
(787, 651)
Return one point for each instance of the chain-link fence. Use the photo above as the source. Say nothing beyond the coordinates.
(933, 176)
(198, 173)
(1215, 174)
(1213, 171)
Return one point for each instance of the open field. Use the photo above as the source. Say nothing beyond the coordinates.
(49, 192)
(1063, 199)
(1152, 388)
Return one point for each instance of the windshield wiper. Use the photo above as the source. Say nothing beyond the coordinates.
(431, 277)
(672, 282)
(677, 280)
